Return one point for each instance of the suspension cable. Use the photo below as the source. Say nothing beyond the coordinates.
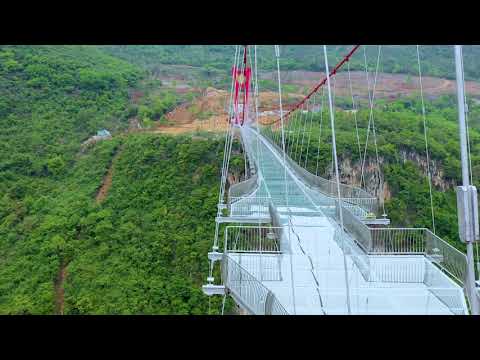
(466, 120)
(297, 131)
(310, 130)
(377, 157)
(370, 107)
(333, 104)
(256, 105)
(258, 131)
(277, 54)
(426, 139)
(226, 157)
(371, 120)
(320, 130)
(242, 70)
(292, 127)
(354, 110)
(229, 134)
(334, 71)
(231, 87)
(334, 146)
(303, 134)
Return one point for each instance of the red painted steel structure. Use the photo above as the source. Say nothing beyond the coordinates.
(242, 83)
(315, 89)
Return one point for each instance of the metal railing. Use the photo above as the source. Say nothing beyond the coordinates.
(348, 193)
(360, 232)
(361, 206)
(276, 308)
(407, 301)
(349, 247)
(252, 239)
(442, 287)
(248, 186)
(397, 241)
(249, 206)
(249, 151)
(453, 261)
(248, 292)
(406, 241)
(420, 241)
(243, 188)
(397, 269)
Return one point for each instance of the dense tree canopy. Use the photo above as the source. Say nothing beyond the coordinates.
(437, 60)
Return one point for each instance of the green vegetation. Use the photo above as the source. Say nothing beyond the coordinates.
(143, 251)
(52, 99)
(155, 107)
(157, 100)
(269, 85)
(399, 128)
(216, 60)
(140, 251)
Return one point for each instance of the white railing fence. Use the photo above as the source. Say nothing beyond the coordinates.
(348, 193)
(249, 206)
(243, 188)
(250, 293)
(252, 239)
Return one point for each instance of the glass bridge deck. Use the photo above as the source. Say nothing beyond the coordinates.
(311, 274)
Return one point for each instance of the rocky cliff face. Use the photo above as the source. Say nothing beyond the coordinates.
(350, 173)
(438, 175)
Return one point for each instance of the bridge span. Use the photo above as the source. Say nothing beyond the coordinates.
(292, 242)
(287, 253)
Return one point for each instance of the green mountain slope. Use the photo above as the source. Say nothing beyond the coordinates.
(51, 99)
(142, 250)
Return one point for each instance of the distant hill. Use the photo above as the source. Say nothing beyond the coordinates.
(437, 61)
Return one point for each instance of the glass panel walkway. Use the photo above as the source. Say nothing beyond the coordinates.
(312, 272)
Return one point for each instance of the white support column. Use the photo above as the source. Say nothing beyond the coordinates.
(335, 158)
(474, 301)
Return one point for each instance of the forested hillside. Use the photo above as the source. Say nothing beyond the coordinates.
(143, 250)
(436, 60)
(52, 99)
(401, 148)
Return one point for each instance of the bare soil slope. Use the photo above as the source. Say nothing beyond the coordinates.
(388, 85)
